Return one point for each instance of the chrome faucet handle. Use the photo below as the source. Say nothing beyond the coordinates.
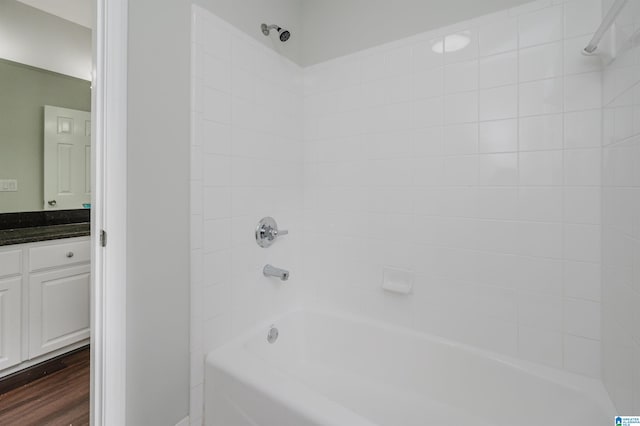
(267, 231)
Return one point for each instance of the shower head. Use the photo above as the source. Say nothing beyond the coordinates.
(284, 34)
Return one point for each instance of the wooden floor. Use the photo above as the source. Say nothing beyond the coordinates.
(60, 398)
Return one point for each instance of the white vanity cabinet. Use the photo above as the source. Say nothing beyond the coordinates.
(58, 296)
(10, 307)
(44, 300)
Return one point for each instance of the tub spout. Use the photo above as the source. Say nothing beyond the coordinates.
(272, 271)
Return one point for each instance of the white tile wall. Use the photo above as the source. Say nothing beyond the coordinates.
(489, 194)
(478, 171)
(247, 158)
(621, 219)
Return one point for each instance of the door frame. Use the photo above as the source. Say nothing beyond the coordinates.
(108, 213)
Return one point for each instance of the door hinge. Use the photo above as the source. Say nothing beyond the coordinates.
(103, 238)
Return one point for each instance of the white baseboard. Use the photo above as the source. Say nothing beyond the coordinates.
(183, 422)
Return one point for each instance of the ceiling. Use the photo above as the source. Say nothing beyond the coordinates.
(332, 28)
(77, 11)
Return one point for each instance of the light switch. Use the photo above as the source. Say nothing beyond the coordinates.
(8, 185)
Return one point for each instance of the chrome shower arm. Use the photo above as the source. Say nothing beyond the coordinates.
(266, 28)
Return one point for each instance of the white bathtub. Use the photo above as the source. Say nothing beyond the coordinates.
(338, 370)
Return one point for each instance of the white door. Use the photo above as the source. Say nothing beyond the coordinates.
(67, 158)
(10, 322)
(58, 309)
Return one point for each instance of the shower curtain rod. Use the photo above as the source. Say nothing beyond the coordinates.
(608, 20)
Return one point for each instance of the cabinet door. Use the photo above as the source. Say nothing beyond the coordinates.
(58, 308)
(10, 321)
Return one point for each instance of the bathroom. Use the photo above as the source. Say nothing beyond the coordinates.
(466, 175)
(325, 212)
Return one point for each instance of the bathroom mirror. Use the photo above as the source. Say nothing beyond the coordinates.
(45, 95)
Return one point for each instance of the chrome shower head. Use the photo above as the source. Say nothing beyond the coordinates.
(284, 34)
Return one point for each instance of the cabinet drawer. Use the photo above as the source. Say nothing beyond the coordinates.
(10, 263)
(59, 255)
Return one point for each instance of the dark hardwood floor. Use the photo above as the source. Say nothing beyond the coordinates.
(60, 398)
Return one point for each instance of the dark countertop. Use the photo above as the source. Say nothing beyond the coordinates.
(43, 218)
(43, 233)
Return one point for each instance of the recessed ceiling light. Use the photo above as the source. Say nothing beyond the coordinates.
(452, 43)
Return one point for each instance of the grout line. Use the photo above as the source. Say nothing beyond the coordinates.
(563, 195)
(519, 196)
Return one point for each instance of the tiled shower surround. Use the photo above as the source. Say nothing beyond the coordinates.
(477, 173)
(247, 163)
(621, 220)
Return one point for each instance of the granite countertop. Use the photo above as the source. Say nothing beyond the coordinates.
(43, 233)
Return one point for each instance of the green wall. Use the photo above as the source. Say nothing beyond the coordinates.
(24, 91)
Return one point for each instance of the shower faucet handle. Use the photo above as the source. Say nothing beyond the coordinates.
(267, 231)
